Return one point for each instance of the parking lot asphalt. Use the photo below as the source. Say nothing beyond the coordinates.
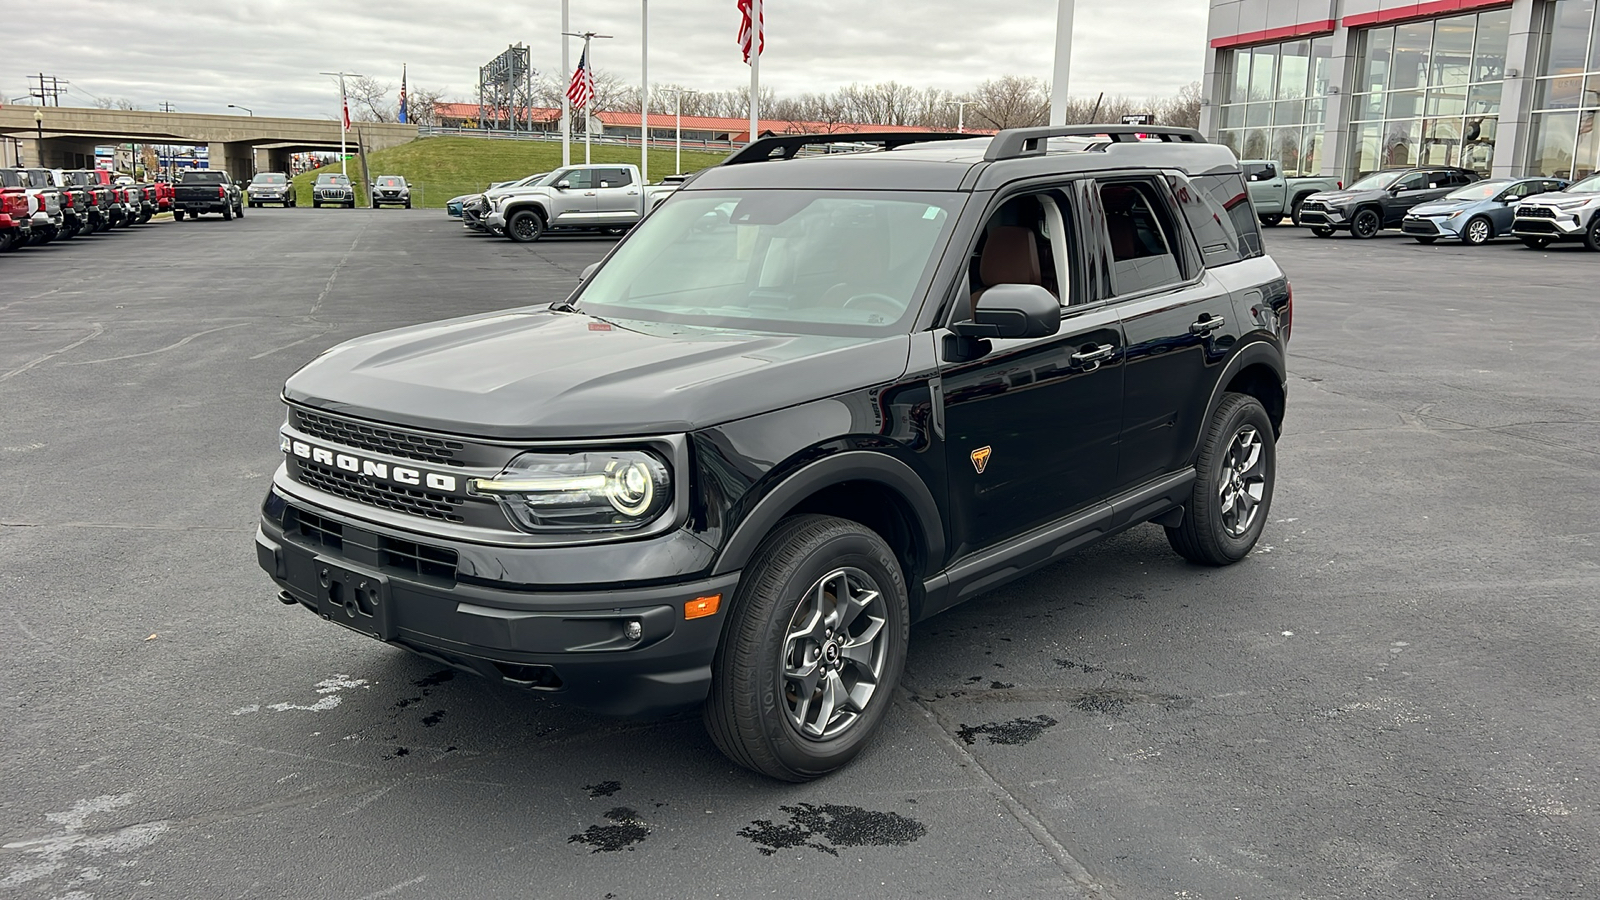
(1394, 696)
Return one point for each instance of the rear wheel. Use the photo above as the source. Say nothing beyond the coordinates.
(1233, 486)
(525, 226)
(238, 211)
(177, 215)
(227, 213)
(1366, 224)
(1477, 232)
(812, 649)
(1533, 243)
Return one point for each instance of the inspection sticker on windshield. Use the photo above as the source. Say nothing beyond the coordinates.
(932, 213)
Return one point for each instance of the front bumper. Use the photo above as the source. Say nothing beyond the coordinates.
(1429, 226)
(571, 640)
(1559, 223)
(334, 198)
(1324, 218)
(494, 219)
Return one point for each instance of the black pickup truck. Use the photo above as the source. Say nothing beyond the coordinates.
(207, 191)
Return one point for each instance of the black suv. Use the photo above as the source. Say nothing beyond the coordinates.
(807, 402)
(1379, 200)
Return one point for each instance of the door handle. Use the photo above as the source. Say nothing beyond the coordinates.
(1207, 324)
(633, 193)
(588, 193)
(1099, 354)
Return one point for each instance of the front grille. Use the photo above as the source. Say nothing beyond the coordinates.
(1524, 226)
(314, 528)
(1536, 212)
(422, 448)
(399, 498)
(419, 559)
(1419, 226)
(1315, 205)
(1313, 217)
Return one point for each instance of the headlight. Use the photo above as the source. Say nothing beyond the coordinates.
(598, 491)
(1572, 204)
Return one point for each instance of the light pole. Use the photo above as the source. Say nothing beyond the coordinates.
(644, 105)
(961, 114)
(247, 109)
(588, 107)
(38, 124)
(344, 117)
(677, 114)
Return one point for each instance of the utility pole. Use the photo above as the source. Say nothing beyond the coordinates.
(961, 113)
(48, 88)
(166, 106)
(344, 117)
(1063, 68)
(588, 108)
(677, 113)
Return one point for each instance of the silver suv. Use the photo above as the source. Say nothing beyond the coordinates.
(1569, 215)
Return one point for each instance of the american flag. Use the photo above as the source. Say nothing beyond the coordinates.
(581, 90)
(346, 104)
(745, 29)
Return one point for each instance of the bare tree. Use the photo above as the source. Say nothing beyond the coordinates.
(1011, 101)
(422, 105)
(369, 99)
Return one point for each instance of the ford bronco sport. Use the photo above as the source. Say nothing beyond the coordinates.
(809, 401)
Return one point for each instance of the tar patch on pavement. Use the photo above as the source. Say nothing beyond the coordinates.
(628, 830)
(433, 718)
(1016, 731)
(827, 827)
(603, 789)
(439, 677)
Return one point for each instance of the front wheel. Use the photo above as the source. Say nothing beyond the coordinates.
(1477, 232)
(177, 215)
(1425, 240)
(1233, 485)
(1366, 224)
(1591, 238)
(1535, 243)
(1272, 220)
(812, 650)
(238, 212)
(525, 226)
(1322, 231)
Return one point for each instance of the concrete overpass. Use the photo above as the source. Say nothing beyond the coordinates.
(242, 144)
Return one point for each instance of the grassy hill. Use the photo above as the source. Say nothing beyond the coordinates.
(439, 168)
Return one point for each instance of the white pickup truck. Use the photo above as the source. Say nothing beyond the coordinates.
(607, 197)
(1275, 196)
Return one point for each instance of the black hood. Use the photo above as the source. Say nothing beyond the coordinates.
(540, 374)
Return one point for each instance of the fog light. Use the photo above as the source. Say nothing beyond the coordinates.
(633, 630)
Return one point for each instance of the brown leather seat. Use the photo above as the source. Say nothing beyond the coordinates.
(1010, 256)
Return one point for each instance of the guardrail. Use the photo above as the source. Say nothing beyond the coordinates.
(657, 141)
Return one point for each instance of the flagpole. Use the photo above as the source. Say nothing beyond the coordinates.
(756, 34)
(644, 106)
(566, 103)
(344, 116)
(1063, 66)
(588, 108)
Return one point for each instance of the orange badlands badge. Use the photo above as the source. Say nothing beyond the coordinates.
(980, 458)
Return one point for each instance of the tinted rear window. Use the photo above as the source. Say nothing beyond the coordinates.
(203, 178)
(1218, 210)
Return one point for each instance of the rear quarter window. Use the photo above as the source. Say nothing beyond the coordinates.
(1218, 210)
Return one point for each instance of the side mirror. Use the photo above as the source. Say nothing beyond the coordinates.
(587, 271)
(563, 185)
(1013, 311)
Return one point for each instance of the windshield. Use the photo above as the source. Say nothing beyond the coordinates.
(1483, 190)
(850, 263)
(270, 178)
(391, 181)
(1377, 181)
(1590, 185)
(333, 179)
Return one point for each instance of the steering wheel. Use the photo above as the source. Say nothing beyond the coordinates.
(877, 303)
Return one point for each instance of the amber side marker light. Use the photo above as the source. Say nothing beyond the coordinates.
(700, 607)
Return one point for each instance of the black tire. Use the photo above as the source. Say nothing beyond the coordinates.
(1272, 220)
(1366, 224)
(67, 232)
(1591, 238)
(1322, 231)
(238, 212)
(227, 214)
(1424, 240)
(1533, 243)
(316, 204)
(1211, 533)
(1294, 208)
(1477, 232)
(525, 226)
(7, 239)
(177, 215)
(751, 712)
(408, 204)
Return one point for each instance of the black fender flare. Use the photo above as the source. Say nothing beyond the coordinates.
(515, 207)
(1258, 352)
(850, 465)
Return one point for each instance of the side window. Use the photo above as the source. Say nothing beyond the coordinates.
(1217, 208)
(1260, 172)
(1416, 181)
(577, 179)
(1028, 240)
(1143, 247)
(614, 178)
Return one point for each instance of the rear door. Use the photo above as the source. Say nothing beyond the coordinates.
(616, 193)
(1178, 319)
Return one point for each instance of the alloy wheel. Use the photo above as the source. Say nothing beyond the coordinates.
(1243, 482)
(1478, 231)
(834, 652)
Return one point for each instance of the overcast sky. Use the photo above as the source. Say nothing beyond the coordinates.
(265, 54)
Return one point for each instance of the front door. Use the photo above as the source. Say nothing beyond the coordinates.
(616, 194)
(573, 204)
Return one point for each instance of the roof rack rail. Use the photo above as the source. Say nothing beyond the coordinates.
(787, 146)
(1018, 142)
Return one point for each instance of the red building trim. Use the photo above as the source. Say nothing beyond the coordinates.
(1418, 11)
(1305, 29)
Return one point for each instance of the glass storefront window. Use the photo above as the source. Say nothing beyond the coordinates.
(1379, 46)
(1567, 95)
(1489, 54)
(1554, 138)
(1241, 76)
(1452, 51)
(1446, 102)
(1411, 44)
(1263, 72)
(1571, 33)
(1275, 99)
(1294, 69)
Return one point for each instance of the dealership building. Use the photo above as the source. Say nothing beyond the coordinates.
(1347, 87)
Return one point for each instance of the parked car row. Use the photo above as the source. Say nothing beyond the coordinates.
(329, 189)
(40, 205)
(595, 199)
(1433, 202)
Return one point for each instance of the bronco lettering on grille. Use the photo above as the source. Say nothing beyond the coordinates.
(405, 475)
